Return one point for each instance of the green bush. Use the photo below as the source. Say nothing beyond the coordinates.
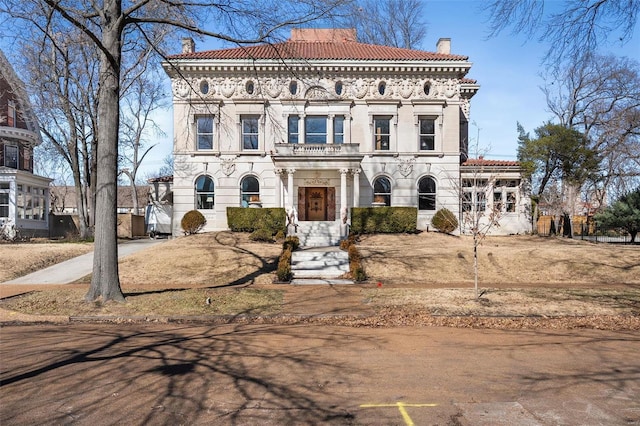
(444, 221)
(241, 219)
(284, 266)
(192, 222)
(261, 234)
(394, 220)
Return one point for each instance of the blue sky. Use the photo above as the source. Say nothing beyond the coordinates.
(507, 68)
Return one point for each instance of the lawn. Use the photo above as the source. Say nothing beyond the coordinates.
(225, 273)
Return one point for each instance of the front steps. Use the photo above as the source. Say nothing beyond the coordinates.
(318, 233)
(318, 260)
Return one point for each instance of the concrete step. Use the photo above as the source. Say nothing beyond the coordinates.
(318, 233)
(325, 264)
(320, 281)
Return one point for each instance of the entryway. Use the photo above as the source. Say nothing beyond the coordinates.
(316, 203)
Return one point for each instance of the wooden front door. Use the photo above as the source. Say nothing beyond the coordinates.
(316, 204)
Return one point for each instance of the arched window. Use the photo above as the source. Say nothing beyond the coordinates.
(205, 194)
(382, 191)
(249, 190)
(426, 193)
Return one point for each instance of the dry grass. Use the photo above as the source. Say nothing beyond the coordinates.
(431, 272)
(434, 259)
(144, 303)
(19, 259)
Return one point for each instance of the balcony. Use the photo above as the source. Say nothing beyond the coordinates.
(317, 156)
(317, 150)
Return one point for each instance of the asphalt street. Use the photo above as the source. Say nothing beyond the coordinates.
(239, 374)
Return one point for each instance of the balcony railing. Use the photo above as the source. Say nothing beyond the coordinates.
(320, 150)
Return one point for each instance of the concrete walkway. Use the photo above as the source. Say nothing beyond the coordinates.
(78, 267)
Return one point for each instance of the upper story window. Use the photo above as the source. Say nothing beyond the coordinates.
(315, 129)
(338, 129)
(250, 129)
(293, 87)
(427, 193)
(293, 134)
(205, 193)
(249, 190)
(427, 135)
(11, 156)
(382, 133)
(204, 129)
(338, 88)
(382, 191)
(11, 114)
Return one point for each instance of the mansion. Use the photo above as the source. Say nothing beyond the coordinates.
(321, 123)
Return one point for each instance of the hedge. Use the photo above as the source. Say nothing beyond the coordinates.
(241, 219)
(370, 220)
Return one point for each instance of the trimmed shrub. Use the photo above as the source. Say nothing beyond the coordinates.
(291, 243)
(284, 266)
(192, 222)
(261, 234)
(240, 219)
(279, 236)
(355, 261)
(393, 220)
(444, 221)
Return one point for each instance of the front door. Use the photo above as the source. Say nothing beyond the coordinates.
(316, 204)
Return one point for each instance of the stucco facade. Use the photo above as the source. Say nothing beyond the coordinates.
(318, 124)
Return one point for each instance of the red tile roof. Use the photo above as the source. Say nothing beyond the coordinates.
(486, 162)
(321, 50)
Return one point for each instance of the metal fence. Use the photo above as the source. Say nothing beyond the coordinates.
(588, 231)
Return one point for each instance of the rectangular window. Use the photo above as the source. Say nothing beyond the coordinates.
(4, 200)
(11, 156)
(205, 132)
(315, 129)
(11, 115)
(467, 196)
(497, 199)
(511, 202)
(382, 133)
(427, 134)
(250, 126)
(338, 129)
(292, 129)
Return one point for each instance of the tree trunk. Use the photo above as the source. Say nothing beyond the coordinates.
(105, 282)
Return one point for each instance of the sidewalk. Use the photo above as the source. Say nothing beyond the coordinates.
(78, 267)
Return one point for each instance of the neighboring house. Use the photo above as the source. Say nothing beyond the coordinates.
(318, 124)
(161, 189)
(24, 196)
(495, 187)
(64, 200)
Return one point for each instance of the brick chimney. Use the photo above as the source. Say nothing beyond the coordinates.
(188, 45)
(444, 46)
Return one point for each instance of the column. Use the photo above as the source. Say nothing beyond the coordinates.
(344, 210)
(290, 173)
(330, 134)
(356, 187)
(278, 188)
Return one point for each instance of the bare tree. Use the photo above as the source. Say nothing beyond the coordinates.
(145, 96)
(579, 28)
(397, 23)
(601, 98)
(110, 25)
(64, 72)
